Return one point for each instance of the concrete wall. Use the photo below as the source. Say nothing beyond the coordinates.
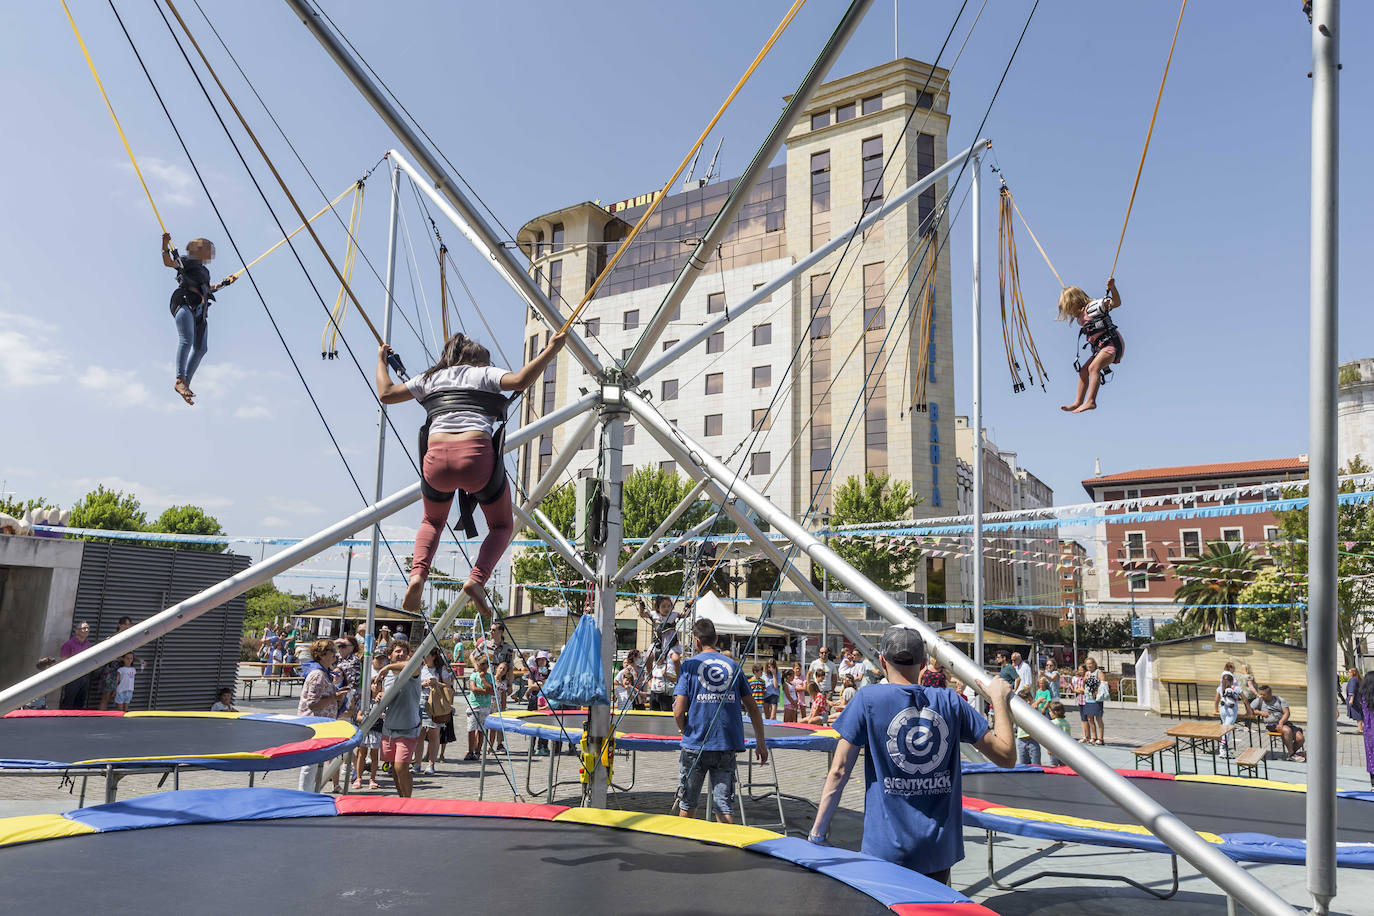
(37, 601)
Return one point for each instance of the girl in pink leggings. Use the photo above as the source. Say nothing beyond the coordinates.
(461, 455)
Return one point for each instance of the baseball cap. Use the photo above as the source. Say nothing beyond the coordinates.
(902, 646)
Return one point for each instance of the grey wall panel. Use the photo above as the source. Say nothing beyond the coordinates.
(185, 668)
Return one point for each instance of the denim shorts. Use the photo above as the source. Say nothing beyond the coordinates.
(720, 766)
(123, 697)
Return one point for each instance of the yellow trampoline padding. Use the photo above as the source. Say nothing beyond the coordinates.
(31, 828)
(667, 825)
(1246, 782)
(339, 728)
(183, 715)
(238, 755)
(1066, 821)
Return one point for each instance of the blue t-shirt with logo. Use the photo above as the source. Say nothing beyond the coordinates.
(711, 684)
(913, 806)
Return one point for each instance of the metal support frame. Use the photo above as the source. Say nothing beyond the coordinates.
(764, 293)
(976, 302)
(715, 233)
(365, 696)
(626, 575)
(555, 540)
(613, 415)
(1013, 885)
(692, 496)
(1177, 835)
(1323, 601)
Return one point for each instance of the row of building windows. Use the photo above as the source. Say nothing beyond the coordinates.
(760, 377)
(847, 112)
(875, 378)
(1190, 545)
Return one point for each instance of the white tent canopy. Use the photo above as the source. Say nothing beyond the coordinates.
(727, 622)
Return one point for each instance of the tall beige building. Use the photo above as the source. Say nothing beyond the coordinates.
(843, 406)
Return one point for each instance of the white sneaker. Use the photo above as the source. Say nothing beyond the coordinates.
(431, 772)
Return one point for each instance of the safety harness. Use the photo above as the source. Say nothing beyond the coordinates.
(1101, 332)
(193, 285)
(494, 406)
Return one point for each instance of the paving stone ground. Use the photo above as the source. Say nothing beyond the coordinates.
(801, 774)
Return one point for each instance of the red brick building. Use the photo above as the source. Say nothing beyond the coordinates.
(1136, 560)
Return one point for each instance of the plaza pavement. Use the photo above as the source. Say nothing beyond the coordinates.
(802, 774)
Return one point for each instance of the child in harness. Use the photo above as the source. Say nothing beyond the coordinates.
(190, 306)
(1102, 337)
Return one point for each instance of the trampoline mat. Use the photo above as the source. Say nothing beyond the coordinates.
(662, 726)
(1204, 806)
(415, 863)
(68, 739)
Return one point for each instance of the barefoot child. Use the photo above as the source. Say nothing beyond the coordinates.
(190, 305)
(1095, 323)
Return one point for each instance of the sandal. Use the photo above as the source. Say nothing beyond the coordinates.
(181, 388)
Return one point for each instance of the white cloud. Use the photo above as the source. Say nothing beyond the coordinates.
(170, 183)
(27, 357)
(153, 498)
(220, 380)
(118, 386)
(256, 412)
(275, 521)
(294, 506)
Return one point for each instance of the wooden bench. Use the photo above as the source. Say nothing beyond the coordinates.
(1252, 759)
(1146, 753)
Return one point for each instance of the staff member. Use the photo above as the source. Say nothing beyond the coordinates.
(913, 812)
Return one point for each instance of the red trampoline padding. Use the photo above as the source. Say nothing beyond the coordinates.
(942, 909)
(36, 713)
(299, 747)
(978, 804)
(1132, 774)
(370, 804)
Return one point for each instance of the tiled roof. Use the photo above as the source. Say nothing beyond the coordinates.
(1196, 471)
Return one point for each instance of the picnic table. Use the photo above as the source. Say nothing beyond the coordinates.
(1190, 736)
(275, 682)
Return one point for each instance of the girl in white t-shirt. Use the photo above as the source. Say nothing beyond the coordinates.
(124, 682)
(460, 453)
(1226, 706)
(1095, 323)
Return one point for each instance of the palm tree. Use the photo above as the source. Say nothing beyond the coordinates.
(1211, 584)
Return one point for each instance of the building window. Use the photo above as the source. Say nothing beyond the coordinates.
(1233, 536)
(1135, 551)
(875, 379)
(1186, 499)
(588, 441)
(820, 388)
(626, 470)
(539, 243)
(677, 313)
(629, 434)
(818, 120)
(630, 320)
(925, 164)
(1230, 499)
(845, 113)
(1271, 532)
(761, 420)
(873, 103)
(820, 307)
(1190, 543)
(759, 463)
(625, 353)
(668, 467)
(669, 390)
(714, 424)
(545, 453)
(715, 382)
(715, 302)
(669, 343)
(1132, 493)
(763, 376)
(592, 328)
(763, 334)
(820, 198)
(872, 162)
(585, 474)
(555, 281)
(557, 237)
(716, 343)
(925, 100)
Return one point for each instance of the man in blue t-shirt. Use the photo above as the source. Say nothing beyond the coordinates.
(913, 806)
(706, 707)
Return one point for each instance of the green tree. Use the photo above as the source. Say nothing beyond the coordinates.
(1006, 620)
(190, 520)
(111, 510)
(539, 568)
(1278, 624)
(16, 507)
(1211, 585)
(264, 603)
(1355, 566)
(889, 562)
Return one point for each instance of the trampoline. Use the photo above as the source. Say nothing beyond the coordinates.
(117, 744)
(565, 860)
(641, 730)
(1250, 820)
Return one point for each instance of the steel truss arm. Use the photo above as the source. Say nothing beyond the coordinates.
(715, 233)
(1228, 875)
(625, 575)
(692, 496)
(763, 293)
(549, 535)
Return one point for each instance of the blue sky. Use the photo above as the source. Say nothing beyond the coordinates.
(542, 105)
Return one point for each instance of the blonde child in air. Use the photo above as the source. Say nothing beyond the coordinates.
(1094, 320)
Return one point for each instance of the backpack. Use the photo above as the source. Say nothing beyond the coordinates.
(440, 702)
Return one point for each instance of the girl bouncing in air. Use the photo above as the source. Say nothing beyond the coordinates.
(1095, 323)
(190, 304)
(460, 448)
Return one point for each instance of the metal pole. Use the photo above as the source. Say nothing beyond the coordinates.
(784, 279)
(706, 248)
(686, 503)
(977, 417)
(608, 559)
(471, 223)
(1323, 603)
(625, 575)
(348, 580)
(896, 55)
(1228, 875)
(365, 696)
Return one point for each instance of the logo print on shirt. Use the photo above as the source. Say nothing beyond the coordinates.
(715, 676)
(916, 740)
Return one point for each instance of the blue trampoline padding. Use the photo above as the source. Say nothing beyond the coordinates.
(886, 882)
(1045, 830)
(203, 806)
